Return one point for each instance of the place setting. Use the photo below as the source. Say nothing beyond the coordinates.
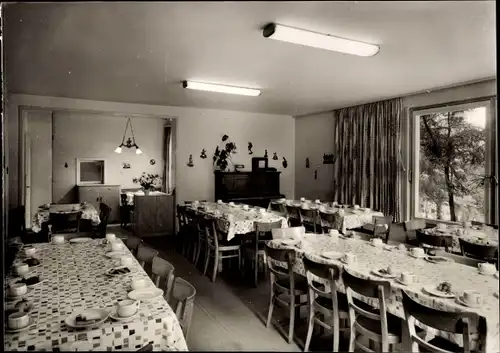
(18, 321)
(487, 269)
(87, 318)
(417, 253)
(142, 291)
(387, 273)
(442, 290)
(125, 310)
(332, 255)
(16, 291)
(470, 298)
(406, 278)
(437, 259)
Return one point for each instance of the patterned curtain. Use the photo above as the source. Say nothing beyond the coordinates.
(367, 169)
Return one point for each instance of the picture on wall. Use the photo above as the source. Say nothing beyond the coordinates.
(126, 165)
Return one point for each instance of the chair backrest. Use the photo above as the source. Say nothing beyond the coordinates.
(443, 240)
(181, 217)
(266, 227)
(190, 215)
(326, 219)
(328, 273)
(487, 252)
(64, 221)
(465, 323)
(475, 223)
(123, 199)
(105, 211)
(293, 211)
(290, 232)
(281, 255)
(133, 243)
(183, 294)
(381, 221)
(163, 275)
(145, 255)
(460, 259)
(414, 224)
(277, 207)
(212, 231)
(372, 289)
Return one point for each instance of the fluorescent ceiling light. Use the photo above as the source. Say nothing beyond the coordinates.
(222, 89)
(318, 40)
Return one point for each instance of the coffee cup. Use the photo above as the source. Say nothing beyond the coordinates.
(21, 269)
(472, 297)
(402, 247)
(317, 202)
(245, 207)
(18, 289)
(356, 207)
(262, 211)
(58, 239)
(115, 246)
(127, 307)
(349, 258)
(486, 268)
(377, 242)
(29, 251)
(407, 277)
(126, 261)
(18, 320)
(417, 252)
(220, 202)
(110, 237)
(138, 284)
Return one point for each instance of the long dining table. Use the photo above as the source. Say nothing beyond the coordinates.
(73, 279)
(369, 258)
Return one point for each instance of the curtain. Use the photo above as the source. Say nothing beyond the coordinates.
(367, 152)
(166, 158)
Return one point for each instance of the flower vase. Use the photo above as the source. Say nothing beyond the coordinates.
(146, 192)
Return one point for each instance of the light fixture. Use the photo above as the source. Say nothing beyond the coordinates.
(220, 88)
(318, 40)
(130, 141)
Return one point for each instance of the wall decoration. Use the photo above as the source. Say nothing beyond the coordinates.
(65, 165)
(250, 146)
(152, 162)
(190, 162)
(275, 156)
(315, 174)
(285, 163)
(203, 154)
(265, 154)
(328, 158)
(307, 163)
(126, 165)
(222, 155)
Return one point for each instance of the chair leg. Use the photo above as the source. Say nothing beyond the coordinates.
(198, 251)
(256, 270)
(207, 259)
(271, 306)
(239, 259)
(216, 265)
(352, 337)
(310, 327)
(291, 325)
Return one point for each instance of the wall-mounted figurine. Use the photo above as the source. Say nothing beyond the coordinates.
(224, 138)
(203, 154)
(190, 162)
(285, 163)
(65, 165)
(265, 154)
(315, 174)
(250, 146)
(307, 163)
(126, 165)
(275, 156)
(152, 162)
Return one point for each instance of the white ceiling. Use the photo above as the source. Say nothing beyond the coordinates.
(140, 53)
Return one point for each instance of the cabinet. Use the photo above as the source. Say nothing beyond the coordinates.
(95, 194)
(153, 215)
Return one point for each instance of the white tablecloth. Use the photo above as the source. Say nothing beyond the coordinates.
(74, 281)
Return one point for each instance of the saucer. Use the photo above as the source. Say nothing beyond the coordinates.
(487, 274)
(417, 257)
(344, 261)
(114, 315)
(401, 282)
(461, 301)
(11, 330)
(332, 255)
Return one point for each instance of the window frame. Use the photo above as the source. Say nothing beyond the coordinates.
(491, 163)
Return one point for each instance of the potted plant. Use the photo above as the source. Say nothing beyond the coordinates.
(223, 152)
(147, 181)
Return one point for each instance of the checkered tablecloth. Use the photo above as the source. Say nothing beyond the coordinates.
(74, 281)
(88, 212)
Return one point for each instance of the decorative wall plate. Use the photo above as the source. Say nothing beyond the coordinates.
(152, 162)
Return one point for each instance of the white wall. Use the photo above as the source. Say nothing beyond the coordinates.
(195, 129)
(313, 137)
(86, 135)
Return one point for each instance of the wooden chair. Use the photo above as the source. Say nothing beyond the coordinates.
(132, 242)
(255, 247)
(163, 275)
(326, 220)
(323, 302)
(100, 230)
(285, 281)
(381, 227)
(485, 252)
(294, 217)
(200, 237)
(376, 325)
(145, 257)
(65, 222)
(190, 236)
(411, 227)
(125, 209)
(311, 215)
(464, 323)
(183, 294)
(216, 248)
(434, 242)
(278, 208)
(480, 224)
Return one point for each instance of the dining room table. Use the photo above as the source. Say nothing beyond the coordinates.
(371, 258)
(237, 219)
(73, 279)
(42, 215)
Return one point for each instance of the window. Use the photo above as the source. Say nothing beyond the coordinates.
(454, 174)
(89, 171)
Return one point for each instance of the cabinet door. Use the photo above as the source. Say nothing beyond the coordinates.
(164, 214)
(145, 214)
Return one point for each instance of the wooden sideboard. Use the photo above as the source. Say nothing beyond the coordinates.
(153, 215)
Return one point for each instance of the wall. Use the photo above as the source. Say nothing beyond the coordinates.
(313, 136)
(195, 129)
(90, 135)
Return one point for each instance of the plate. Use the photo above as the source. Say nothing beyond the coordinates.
(290, 242)
(114, 315)
(434, 259)
(461, 301)
(145, 293)
(432, 290)
(80, 240)
(332, 255)
(71, 320)
(401, 282)
(115, 254)
(19, 279)
(10, 297)
(383, 275)
(417, 257)
(390, 247)
(10, 330)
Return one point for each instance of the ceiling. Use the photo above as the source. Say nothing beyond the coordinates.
(140, 53)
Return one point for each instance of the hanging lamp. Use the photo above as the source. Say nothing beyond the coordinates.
(130, 141)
